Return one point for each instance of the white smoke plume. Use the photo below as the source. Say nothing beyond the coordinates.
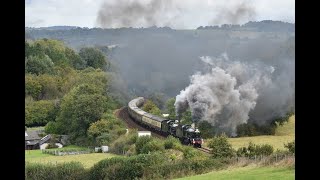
(226, 93)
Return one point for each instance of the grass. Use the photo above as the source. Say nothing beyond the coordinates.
(276, 141)
(284, 134)
(288, 129)
(35, 128)
(88, 160)
(247, 173)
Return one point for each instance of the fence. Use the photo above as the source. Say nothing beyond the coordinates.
(267, 160)
(67, 152)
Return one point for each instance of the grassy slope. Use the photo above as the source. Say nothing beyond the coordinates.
(284, 134)
(87, 160)
(247, 173)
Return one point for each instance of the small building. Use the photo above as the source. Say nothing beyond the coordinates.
(144, 133)
(32, 140)
(165, 115)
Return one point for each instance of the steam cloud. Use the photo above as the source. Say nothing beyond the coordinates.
(229, 91)
(173, 13)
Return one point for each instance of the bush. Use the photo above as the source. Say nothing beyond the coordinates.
(290, 146)
(125, 168)
(189, 152)
(255, 150)
(171, 142)
(72, 171)
(221, 147)
(152, 146)
(141, 142)
(124, 144)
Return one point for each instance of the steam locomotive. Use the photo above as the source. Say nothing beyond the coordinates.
(187, 134)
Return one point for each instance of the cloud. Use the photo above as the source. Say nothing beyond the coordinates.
(81, 13)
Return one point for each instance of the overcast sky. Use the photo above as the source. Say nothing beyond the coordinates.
(183, 14)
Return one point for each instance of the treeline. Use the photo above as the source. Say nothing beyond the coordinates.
(264, 26)
(67, 90)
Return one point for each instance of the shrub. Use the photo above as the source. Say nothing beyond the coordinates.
(221, 147)
(255, 150)
(189, 152)
(72, 171)
(141, 142)
(124, 143)
(151, 146)
(125, 168)
(171, 142)
(290, 146)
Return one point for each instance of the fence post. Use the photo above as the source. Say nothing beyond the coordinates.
(276, 157)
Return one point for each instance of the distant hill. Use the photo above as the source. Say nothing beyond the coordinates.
(55, 28)
(260, 26)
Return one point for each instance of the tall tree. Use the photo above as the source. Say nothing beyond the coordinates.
(39, 65)
(171, 108)
(76, 61)
(94, 58)
(82, 106)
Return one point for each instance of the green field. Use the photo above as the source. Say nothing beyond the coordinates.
(35, 128)
(247, 173)
(87, 160)
(284, 134)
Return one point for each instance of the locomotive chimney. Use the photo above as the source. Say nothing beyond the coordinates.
(178, 118)
(193, 125)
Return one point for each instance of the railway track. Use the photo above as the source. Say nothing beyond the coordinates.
(203, 149)
(123, 114)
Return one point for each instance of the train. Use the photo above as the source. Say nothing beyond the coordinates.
(187, 134)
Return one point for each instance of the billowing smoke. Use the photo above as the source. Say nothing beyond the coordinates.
(173, 13)
(228, 92)
(123, 13)
(234, 14)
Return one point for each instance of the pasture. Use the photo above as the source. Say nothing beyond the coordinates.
(283, 135)
(88, 160)
(247, 173)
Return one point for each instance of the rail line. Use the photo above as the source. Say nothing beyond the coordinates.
(123, 114)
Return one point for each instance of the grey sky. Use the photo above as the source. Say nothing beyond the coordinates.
(186, 13)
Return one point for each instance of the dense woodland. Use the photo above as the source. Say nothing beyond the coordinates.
(66, 91)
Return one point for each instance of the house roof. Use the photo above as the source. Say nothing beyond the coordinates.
(45, 139)
(31, 135)
(32, 142)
